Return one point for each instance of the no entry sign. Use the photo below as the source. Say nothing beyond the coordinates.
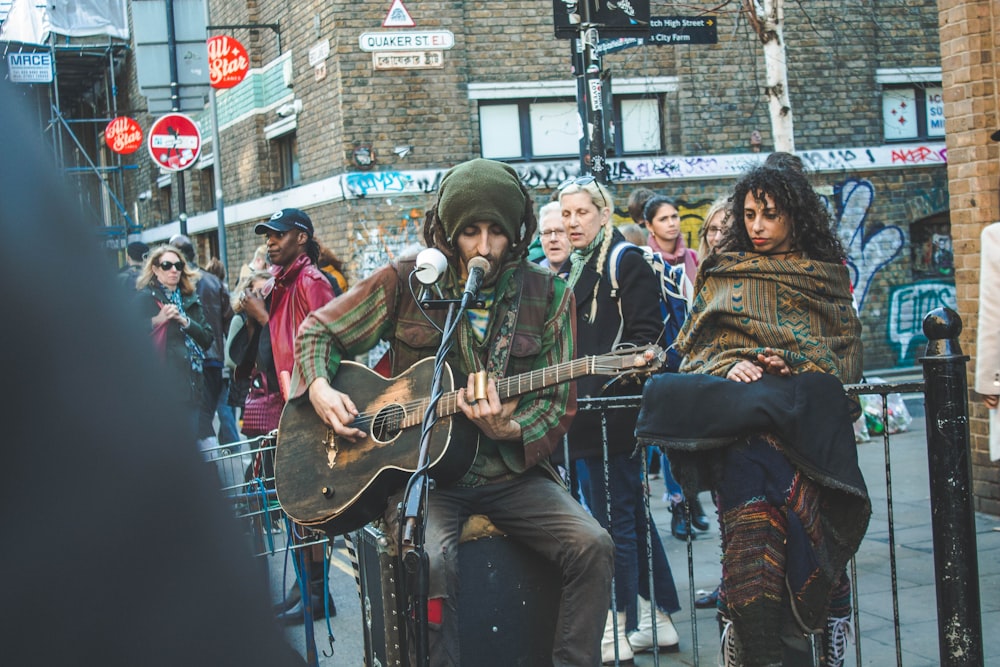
(174, 142)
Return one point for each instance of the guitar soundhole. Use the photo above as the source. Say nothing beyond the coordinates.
(388, 423)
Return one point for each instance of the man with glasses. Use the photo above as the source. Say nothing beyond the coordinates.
(552, 232)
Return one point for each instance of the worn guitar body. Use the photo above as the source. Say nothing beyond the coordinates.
(338, 486)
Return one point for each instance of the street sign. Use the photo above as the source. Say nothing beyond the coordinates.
(408, 60)
(669, 30)
(612, 19)
(123, 135)
(174, 142)
(410, 40)
(152, 54)
(228, 62)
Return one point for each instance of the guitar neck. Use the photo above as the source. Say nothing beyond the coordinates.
(623, 362)
(524, 383)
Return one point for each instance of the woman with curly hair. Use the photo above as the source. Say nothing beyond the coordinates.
(773, 321)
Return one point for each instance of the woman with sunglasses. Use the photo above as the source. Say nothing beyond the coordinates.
(605, 321)
(180, 334)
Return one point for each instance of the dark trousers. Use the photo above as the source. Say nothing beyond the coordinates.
(210, 399)
(541, 514)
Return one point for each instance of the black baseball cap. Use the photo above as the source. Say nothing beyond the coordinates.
(137, 251)
(286, 220)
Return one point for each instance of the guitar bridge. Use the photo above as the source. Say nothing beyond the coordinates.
(330, 444)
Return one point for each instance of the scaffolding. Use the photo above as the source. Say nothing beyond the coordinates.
(73, 112)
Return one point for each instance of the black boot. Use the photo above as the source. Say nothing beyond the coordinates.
(698, 518)
(678, 523)
(290, 600)
(292, 613)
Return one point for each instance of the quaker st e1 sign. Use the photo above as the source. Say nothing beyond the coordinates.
(406, 40)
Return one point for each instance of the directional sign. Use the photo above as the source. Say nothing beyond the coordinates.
(409, 40)
(667, 30)
(174, 142)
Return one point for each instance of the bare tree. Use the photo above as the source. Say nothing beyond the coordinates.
(767, 18)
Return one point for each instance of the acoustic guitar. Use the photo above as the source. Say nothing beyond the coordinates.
(327, 482)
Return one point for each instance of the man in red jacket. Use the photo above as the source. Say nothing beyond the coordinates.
(267, 344)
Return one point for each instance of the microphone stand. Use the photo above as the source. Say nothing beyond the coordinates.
(415, 564)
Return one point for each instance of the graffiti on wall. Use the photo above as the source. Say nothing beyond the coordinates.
(869, 248)
(908, 304)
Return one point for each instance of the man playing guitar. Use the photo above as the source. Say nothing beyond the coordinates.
(482, 211)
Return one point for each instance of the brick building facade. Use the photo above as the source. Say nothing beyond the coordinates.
(970, 47)
(685, 116)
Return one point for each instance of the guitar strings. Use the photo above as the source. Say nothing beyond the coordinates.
(407, 409)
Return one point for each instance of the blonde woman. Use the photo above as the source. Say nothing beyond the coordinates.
(167, 298)
(603, 322)
(717, 221)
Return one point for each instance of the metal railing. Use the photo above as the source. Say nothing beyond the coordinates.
(956, 575)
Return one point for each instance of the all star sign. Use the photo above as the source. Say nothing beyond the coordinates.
(123, 135)
(228, 62)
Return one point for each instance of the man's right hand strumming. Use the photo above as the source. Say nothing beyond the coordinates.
(335, 408)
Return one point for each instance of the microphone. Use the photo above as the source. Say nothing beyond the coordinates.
(431, 265)
(478, 268)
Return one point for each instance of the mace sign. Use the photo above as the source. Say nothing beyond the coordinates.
(30, 67)
(409, 40)
(174, 142)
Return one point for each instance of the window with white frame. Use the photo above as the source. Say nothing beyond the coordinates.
(534, 121)
(912, 104)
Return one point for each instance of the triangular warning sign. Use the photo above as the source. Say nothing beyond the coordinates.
(398, 17)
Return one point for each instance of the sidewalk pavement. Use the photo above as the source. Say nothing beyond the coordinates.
(914, 572)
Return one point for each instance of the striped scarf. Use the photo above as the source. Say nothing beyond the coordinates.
(579, 258)
(194, 352)
(800, 307)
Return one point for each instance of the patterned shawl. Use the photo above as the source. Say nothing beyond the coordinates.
(802, 308)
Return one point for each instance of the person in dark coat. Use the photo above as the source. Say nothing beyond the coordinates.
(179, 331)
(605, 321)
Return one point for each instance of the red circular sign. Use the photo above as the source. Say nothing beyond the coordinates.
(123, 135)
(174, 142)
(228, 62)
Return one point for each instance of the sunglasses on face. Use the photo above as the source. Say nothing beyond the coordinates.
(166, 266)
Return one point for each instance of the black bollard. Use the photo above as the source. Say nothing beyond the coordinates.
(956, 565)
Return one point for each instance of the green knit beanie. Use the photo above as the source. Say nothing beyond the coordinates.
(481, 191)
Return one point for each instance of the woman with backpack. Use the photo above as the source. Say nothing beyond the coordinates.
(606, 318)
(663, 222)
